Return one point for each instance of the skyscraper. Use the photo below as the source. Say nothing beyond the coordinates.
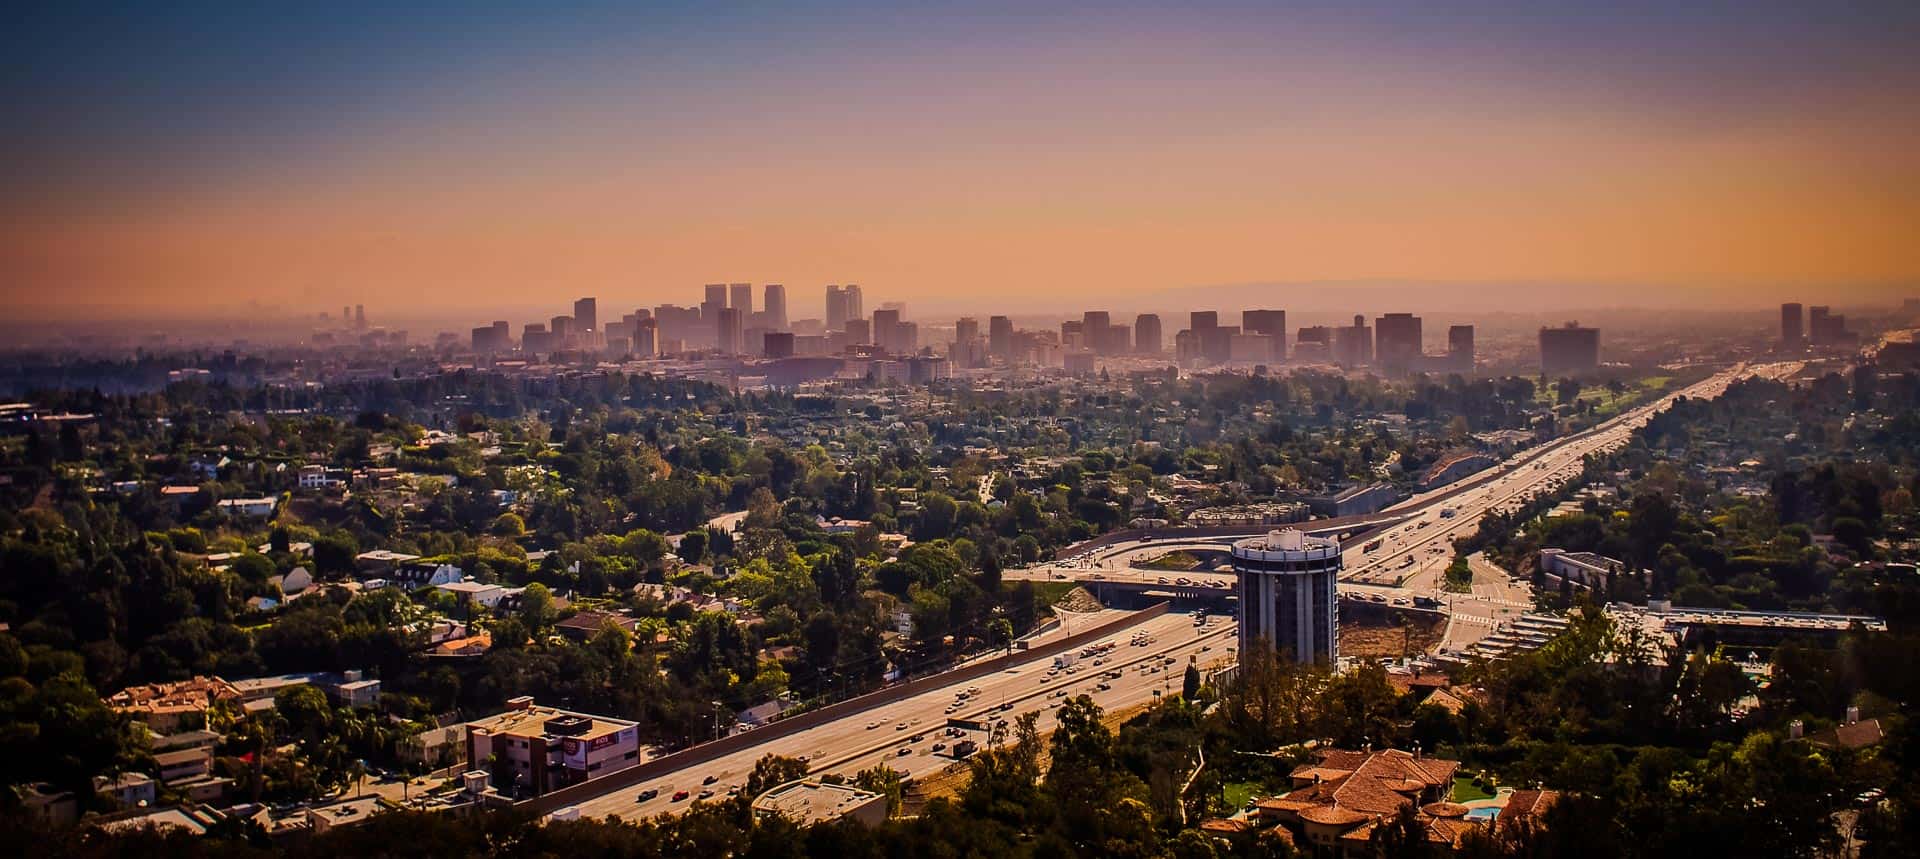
(1000, 337)
(1569, 350)
(1460, 348)
(586, 315)
(1272, 323)
(742, 300)
(1397, 342)
(775, 299)
(646, 337)
(885, 330)
(1793, 331)
(1201, 320)
(1287, 595)
(967, 349)
(730, 333)
(1146, 334)
(836, 308)
(856, 302)
(360, 316)
(1353, 344)
(715, 301)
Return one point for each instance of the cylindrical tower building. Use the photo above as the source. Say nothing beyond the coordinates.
(1287, 594)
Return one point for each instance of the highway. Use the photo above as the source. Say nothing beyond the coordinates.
(903, 734)
(1411, 556)
(916, 724)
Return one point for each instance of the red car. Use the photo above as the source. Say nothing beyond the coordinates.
(679, 795)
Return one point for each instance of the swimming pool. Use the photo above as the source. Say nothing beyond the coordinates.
(1484, 814)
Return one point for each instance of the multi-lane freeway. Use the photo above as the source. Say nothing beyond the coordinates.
(1148, 659)
(1411, 553)
(1149, 656)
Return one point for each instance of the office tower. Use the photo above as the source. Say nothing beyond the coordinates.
(360, 316)
(535, 339)
(730, 335)
(966, 351)
(1146, 334)
(561, 327)
(906, 338)
(836, 309)
(856, 302)
(1094, 325)
(1569, 350)
(1397, 342)
(1353, 344)
(885, 323)
(483, 339)
(646, 337)
(1000, 337)
(1250, 348)
(774, 296)
(1201, 320)
(1460, 348)
(1272, 323)
(1286, 585)
(1073, 334)
(859, 332)
(1792, 325)
(346, 315)
(715, 301)
(777, 344)
(1216, 343)
(586, 316)
(742, 299)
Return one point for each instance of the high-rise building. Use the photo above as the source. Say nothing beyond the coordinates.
(742, 299)
(360, 316)
(1286, 585)
(1272, 323)
(1353, 344)
(586, 315)
(774, 296)
(836, 308)
(715, 301)
(1201, 320)
(730, 334)
(1000, 337)
(1146, 334)
(1397, 342)
(859, 332)
(535, 339)
(1569, 350)
(1460, 357)
(886, 323)
(646, 337)
(968, 350)
(561, 327)
(1793, 329)
(856, 302)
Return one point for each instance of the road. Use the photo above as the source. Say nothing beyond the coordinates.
(877, 736)
(1409, 558)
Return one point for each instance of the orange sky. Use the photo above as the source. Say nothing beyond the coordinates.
(1068, 172)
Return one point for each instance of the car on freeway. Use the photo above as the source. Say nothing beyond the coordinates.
(679, 795)
(904, 751)
(649, 793)
(710, 779)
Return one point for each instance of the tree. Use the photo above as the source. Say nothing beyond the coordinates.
(536, 608)
(1190, 684)
(1402, 837)
(771, 771)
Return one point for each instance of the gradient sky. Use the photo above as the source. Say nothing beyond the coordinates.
(181, 158)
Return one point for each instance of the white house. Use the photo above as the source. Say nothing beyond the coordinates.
(296, 581)
(427, 575)
(252, 508)
(476, 593)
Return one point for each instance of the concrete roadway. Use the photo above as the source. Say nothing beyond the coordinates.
(1412, 556)
(855, 743)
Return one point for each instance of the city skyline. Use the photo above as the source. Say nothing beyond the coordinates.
(1571, 157)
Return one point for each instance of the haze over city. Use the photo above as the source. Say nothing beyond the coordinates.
(1414, 429)
(187, 163)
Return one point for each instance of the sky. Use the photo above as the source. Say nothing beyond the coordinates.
(179, 159)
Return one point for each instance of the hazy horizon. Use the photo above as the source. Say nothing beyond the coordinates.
(182, 163)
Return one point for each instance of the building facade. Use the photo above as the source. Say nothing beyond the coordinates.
(1287, 594)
